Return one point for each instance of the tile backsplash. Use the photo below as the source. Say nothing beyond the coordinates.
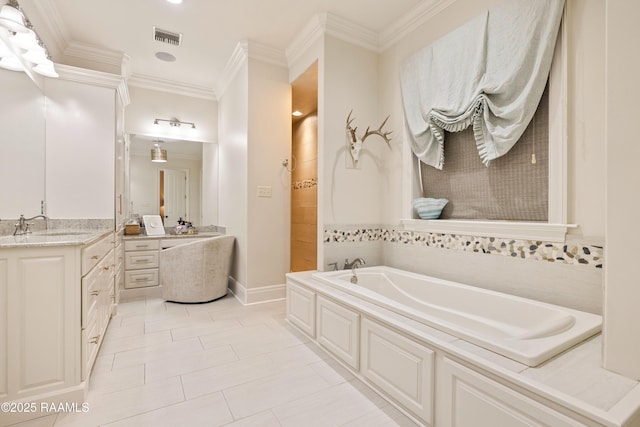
(587, 255)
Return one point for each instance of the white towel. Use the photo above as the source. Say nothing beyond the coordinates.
(489, 73)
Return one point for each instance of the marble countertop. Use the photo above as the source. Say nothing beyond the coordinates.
(201, 234)
(55, 237)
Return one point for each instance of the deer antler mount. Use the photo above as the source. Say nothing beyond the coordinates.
(355, 143)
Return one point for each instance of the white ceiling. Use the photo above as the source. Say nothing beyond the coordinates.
(211, 29)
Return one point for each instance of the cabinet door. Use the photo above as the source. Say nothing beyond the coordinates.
(401, 368)
(469, 399)
(44, 318)
(338, 330)
(301, 308)
(4, 327)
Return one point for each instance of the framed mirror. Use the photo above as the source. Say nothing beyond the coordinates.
(22, 145)
(172, 189)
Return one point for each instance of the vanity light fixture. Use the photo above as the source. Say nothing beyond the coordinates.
(12, 19)
(174, 122)
(158, 155)
(20, 37)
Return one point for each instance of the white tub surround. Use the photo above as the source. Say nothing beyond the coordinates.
(442, 380)
(527, 331)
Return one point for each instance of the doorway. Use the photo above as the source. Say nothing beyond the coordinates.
(174, 197)
(304, 171)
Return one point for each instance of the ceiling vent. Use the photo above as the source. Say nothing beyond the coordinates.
(167, 37)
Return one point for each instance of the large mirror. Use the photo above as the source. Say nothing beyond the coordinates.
(182, 187)
(22, 145)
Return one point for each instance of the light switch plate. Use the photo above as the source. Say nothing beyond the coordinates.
(264, 191)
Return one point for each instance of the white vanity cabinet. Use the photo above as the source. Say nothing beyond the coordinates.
(98, 271)
(40, 322)
(141, 263)
(55, 305)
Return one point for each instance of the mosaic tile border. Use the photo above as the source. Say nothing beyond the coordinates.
(588, 255)
(305, 183)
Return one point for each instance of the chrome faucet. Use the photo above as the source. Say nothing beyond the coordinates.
(22, 227)
(353, 265)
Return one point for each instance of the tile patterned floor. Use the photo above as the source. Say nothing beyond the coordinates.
(218, 364)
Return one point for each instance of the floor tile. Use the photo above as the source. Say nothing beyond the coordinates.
(263, 419)
(220, 363)
(150, 353)
(207, 411)
(333, 406)
(228, 375)
(179, 365)
(282, 387)
(106, 408)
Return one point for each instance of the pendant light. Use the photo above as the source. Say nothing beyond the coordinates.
(158, 155)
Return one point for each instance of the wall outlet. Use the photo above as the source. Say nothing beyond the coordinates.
(264, 191)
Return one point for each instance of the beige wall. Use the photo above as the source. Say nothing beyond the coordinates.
(147, 105)
(350, 195)
(233, 152)
(269, 143)
(622, 293)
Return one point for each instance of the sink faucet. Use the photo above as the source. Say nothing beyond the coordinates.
(22, 227)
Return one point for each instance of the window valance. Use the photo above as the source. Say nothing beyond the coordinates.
(489, 74)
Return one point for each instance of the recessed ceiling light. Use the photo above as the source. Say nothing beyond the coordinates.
(296, 113)
(175, 1)
(165, 56)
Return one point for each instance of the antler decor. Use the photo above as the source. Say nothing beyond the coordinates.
(356, 143)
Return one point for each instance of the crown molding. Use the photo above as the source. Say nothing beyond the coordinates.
(95, 54)
(84, 75)
(348, 31)
(311, 33)
(170, 86)
(411, 20)
(236, 60)
(265, 53)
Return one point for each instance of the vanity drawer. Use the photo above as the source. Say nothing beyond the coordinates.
(140, 260)
(140, 278)
(95, 286)
(141, 245)
(93, 253)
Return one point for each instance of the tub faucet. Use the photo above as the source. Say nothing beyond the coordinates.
(353, 264)
(22, 227)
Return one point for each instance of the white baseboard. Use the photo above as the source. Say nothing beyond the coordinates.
(258, 295)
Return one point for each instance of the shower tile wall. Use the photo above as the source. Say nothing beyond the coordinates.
(304, 194)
